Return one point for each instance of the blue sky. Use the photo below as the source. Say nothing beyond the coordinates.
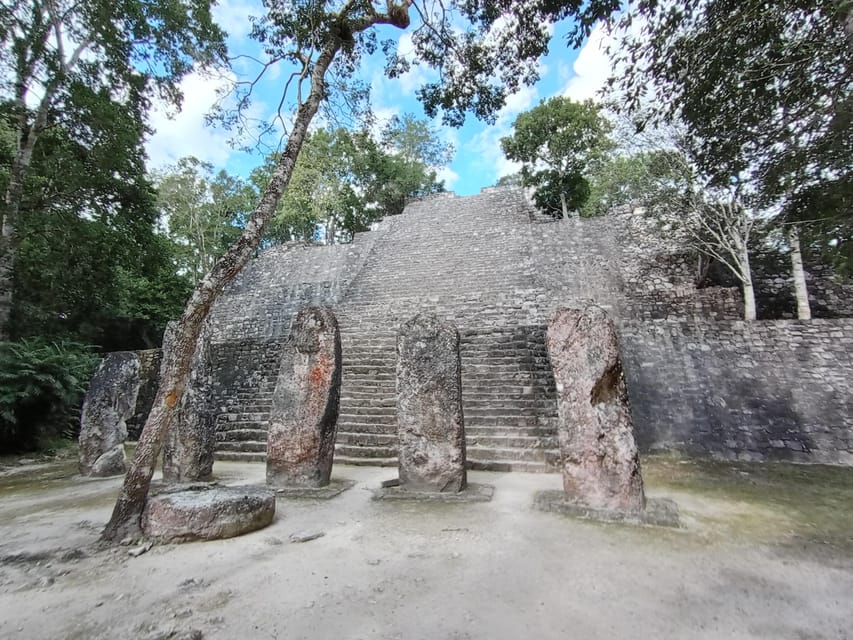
(478, 161)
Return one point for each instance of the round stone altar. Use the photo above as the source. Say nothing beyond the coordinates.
(207, 512)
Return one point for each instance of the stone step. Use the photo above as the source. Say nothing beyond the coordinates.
(353, 438)
(239, 426)
(512, 454)
(353, 426)
(245, 446)
(366, 462)
(259, 416)
(365, 451)
(511, 441)
(361, 413)
(241, 456)
(239, 435)
(508, 466)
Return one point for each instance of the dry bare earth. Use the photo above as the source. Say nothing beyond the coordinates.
(766, 553)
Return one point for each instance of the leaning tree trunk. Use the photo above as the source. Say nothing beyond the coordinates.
(125, 520)
(801, 291)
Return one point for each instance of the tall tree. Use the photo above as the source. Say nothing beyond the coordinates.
(202, 211)
(346, 180)
(63, 57)
(477, 67)
(89, 265)
(557, 142)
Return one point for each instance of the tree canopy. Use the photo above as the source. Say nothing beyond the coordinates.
(90, 67)
(557, 143)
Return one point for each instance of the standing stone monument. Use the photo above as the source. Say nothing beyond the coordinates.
(599, 458)
(304, 415)
(110, 401)
(189, 447)
(429, 406)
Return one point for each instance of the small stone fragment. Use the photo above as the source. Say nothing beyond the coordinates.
(429, 406)
(138, 551)
(304, 415)
(599, 457)
(110, 401)
(306, 537)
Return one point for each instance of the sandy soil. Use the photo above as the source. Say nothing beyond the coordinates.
(414, 570)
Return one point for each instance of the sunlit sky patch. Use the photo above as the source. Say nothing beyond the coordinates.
(478, 161)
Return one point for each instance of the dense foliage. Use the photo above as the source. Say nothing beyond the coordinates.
(41, 387)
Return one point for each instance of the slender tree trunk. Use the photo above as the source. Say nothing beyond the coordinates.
(564, 206)
(801, 291)
(127, 513)
(27, 137)
(748, 288)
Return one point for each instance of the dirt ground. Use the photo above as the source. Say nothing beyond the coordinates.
(765, 552)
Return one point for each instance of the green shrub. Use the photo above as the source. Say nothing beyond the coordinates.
(42, 384)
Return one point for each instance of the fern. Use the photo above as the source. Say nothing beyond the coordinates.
(42, 384)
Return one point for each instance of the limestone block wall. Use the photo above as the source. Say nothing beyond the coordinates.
(617, 263)
(262, 299)
(766, 390)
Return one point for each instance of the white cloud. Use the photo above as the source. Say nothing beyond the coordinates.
(517, 102)
(592, 67)
(233, 17)
(185, 133)
(449, 176)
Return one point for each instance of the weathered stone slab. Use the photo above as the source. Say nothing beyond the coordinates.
(189, 448)
(304, 415)
(109, 402)
(659, 512)
(331, 490)
(473, 493)
(599, 458)
(429, 406)
(207, 512)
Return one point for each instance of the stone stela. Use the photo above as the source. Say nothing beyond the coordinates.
(109, 403)
(599, 459)
(429, 406)
(301, 441)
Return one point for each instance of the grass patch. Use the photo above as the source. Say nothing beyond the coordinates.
(792, 504)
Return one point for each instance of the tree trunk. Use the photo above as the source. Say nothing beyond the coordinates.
(748, 289)
(125, 520)
(801, 291)
(563, 205)
(27, 137)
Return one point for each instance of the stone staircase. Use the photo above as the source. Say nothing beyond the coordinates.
(241, 431)
(467, 260)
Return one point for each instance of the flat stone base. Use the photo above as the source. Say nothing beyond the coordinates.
(473, 493)
(659, 512)
(183, 513)
(334, 488)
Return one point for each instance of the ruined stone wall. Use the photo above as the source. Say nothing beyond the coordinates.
(262, 299)
(620, 264)
(766, 390)
(774, 390)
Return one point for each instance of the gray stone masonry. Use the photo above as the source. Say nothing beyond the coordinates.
(492, 266)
